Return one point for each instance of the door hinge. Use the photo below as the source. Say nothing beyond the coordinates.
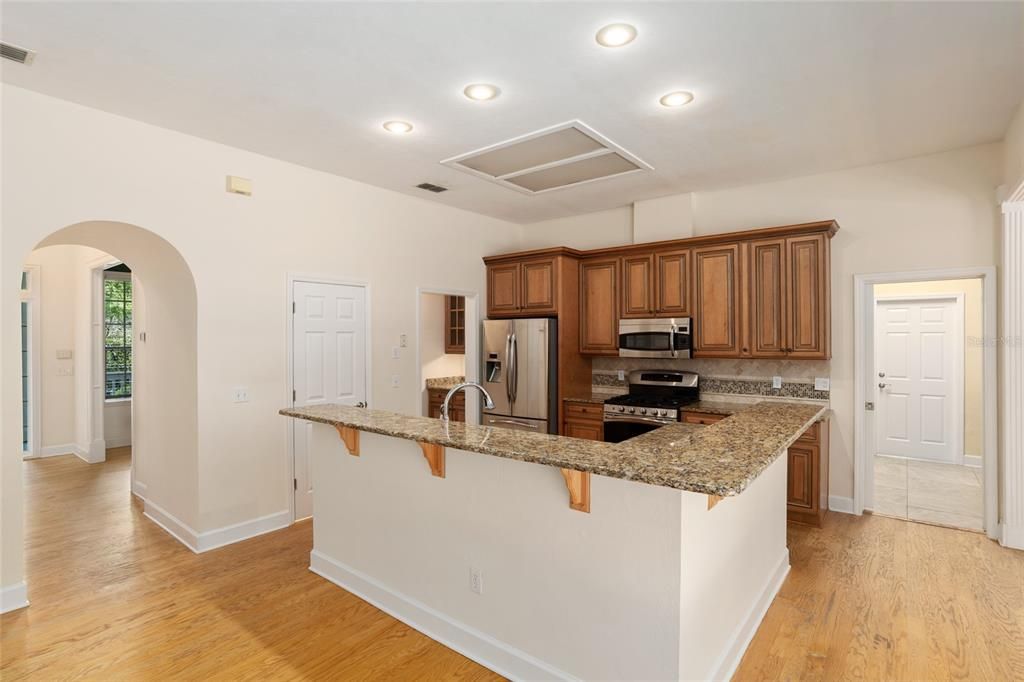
(869, 406)
(293, 395)
(295, 484)
(293, 307)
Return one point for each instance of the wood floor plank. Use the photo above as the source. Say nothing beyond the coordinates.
(114, 597)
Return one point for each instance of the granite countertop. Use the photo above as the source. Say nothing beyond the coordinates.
(716, 407)
(597, 398)
(445, 383)
(721, 459)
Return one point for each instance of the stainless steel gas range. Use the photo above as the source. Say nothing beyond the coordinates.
(654, 399)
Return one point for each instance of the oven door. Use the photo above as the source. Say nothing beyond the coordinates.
(618, 428)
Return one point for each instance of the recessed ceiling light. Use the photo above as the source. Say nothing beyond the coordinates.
(616, 35)
(676, 99)
(481, 91)
(399, 127)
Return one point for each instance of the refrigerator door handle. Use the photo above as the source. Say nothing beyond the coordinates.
(515, 368)
(508, 369)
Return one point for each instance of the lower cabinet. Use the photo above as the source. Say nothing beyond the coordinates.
(807, 483)
(583, 420)
(456, 408)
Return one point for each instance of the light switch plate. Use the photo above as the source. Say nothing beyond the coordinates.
(394, 381)
(395, 353)
(822, 383)
(241, 394)
(64, 354)
(776, 382)
(622, 375)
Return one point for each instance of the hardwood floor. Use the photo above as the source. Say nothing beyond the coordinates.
(116, 598)
(876, 598)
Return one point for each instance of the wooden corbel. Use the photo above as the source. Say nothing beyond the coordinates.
(578, 483)
(435, 457)
(350, 437)
(713, 500)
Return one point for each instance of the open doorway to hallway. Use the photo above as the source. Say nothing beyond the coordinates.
(77, 330)
(928, 360)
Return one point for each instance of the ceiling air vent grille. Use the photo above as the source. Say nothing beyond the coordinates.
(16, 54)
(562, 156)
(436, 189)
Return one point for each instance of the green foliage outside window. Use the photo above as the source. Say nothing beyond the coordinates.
(117, 329)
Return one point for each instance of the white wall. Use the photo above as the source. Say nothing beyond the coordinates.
(117, 423)
(930, 212)
(239, 250)
(1013, 151)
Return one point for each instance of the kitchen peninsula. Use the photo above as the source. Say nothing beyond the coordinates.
(542, 556)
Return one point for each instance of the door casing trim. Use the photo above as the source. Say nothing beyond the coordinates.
(863, 335)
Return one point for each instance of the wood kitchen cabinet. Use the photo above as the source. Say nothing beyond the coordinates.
(457, 407)
(638, 286)
(455, 325)
(807, 477)
(522, 288)
(716, 292)
(672, 283)
(583, 420)
(599, 322)
(789, 294)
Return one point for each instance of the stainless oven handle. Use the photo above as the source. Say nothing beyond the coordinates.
(633, 419)
(512, 423)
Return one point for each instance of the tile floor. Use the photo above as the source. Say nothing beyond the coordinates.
(945, 494)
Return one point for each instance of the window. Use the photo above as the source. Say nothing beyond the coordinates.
(117, 332)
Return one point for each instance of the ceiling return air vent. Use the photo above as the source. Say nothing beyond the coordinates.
(16, 54)
(430, 187)
(562, 156)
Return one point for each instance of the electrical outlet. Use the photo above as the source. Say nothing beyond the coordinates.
(394, 381)
(776, 382)
(403, 341)
(476, 580)
(395, 353)
(822, 383)
(622, 375)
(241, 394)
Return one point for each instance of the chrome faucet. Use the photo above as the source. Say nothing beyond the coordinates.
(488, 403)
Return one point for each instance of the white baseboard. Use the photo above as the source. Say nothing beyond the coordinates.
(58, 451)
(120, 443)
(139, 489)
(227, 535)
(218, 537)
(13, 597)
(97, 452)
(478, 646)
(172, 525)
(748, 627)
(843, 505)
(972, 461)
(1012, 536)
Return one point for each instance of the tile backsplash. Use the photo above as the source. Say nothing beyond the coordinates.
(739, 377)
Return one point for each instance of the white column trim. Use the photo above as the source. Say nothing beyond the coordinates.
(1012, 346)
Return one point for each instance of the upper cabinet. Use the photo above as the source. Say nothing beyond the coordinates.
(754, 294)
(455, 324)
(522, 288)
(599, 323)
(672, 283)
(716, 291)
(637, 286)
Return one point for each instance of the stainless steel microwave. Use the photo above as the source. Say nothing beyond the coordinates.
(655, 338)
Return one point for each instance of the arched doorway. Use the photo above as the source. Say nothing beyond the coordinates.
(165, 391)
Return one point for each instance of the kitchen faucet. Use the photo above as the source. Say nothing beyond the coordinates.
(488, 403)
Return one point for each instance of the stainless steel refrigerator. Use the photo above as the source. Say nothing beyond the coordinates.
(521, 374)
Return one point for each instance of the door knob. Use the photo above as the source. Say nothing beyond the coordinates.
(882, 385)
(881, 374)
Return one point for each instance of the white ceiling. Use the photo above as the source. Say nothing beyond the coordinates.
(781, 89)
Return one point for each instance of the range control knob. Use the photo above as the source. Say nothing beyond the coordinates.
(620, 408)
(661, 413)
(643, 410)
(632, 410)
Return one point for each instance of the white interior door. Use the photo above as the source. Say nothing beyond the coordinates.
(329, 363)
(919, 372)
